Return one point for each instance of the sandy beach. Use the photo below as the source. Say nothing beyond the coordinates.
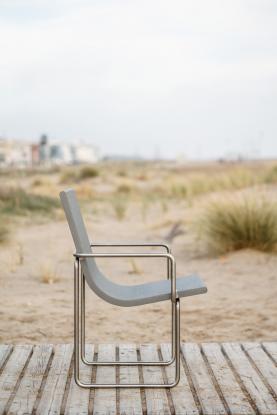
(36, 298)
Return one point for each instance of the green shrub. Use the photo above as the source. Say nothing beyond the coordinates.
(76, 174)
(124, 188)
(3, 232)
(270, 176)
(18, 202)
(69, 176)
(239, 224)
(122, 173)
(179, 190)
(87, 172)
(120, 204)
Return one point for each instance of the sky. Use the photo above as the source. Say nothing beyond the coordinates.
(178, 78)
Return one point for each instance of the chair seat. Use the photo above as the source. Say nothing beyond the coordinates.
(122, 295)
(153, 292)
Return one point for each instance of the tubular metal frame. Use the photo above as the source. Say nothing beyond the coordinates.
(79, 326)
(135, 245)
(121, 245)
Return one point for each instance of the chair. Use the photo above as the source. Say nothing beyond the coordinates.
(86, 271)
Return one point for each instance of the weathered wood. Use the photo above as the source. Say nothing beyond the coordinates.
(25, 397)
(156, 399)
(52, 395)
(263, 363)
(250, 379)
(78, 398)
(105, 399)
(129, 399)
(271, 348)
(208, 396)
(5, 350)
(236, 400)
(232, 378)
(11, 373)
(183, 401)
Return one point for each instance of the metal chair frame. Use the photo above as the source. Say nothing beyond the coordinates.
(79, 317)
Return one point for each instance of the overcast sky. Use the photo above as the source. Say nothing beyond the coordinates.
(180, 77)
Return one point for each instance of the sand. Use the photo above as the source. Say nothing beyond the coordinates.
(241, 303)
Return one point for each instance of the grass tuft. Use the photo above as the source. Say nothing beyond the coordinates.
(76, 174)
(120, 205)
(124, 188)
(15, 201)
(4, 232)
(238, 224)
(88, 172)
(135, 269)
(48, 275)
(271, 176)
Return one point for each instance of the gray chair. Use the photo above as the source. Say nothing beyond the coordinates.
(86, 271)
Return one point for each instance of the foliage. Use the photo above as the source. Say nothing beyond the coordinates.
(4, 232)
(76, 174)
(16, 201)
(87, 172)
(238, 224)
(120, 204)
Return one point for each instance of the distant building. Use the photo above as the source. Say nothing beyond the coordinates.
(35, 154)
(60, 154)
(15, 153)
(44, 150)
(85, 154)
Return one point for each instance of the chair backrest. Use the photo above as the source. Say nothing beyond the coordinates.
(103, 287)
(118, 294)
(75, 221)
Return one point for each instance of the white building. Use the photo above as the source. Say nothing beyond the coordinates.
(60, 154)
(85, 154)
(15, 153)
(20, 154)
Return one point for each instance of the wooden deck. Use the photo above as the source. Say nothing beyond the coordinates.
(227, 378)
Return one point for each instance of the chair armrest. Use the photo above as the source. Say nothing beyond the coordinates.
(132, 244)
(136, 245)
(170, 261)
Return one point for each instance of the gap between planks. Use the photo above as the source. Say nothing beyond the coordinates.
(228, 378)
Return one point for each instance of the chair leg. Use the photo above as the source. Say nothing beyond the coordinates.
(79, 341)
(130, 363)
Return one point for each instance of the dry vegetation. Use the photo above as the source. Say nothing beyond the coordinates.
(3, 232)
(48, 275)
(240, 223)
(121, 185)
(233, 205)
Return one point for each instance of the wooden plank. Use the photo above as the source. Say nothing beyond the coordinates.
(11, 373)
(182, 397)
(78, 398)
(156, 399)
(129, 399)
(263, 363)
(105, 399)
(53, 391)
(236, 400)
(250, 379)
(271, 348)
(4, 352)
(207, 394)
(25, 397)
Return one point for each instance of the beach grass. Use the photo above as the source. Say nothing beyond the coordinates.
(4, 232)
(16, 201)
(238, 224)
(120, 204)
